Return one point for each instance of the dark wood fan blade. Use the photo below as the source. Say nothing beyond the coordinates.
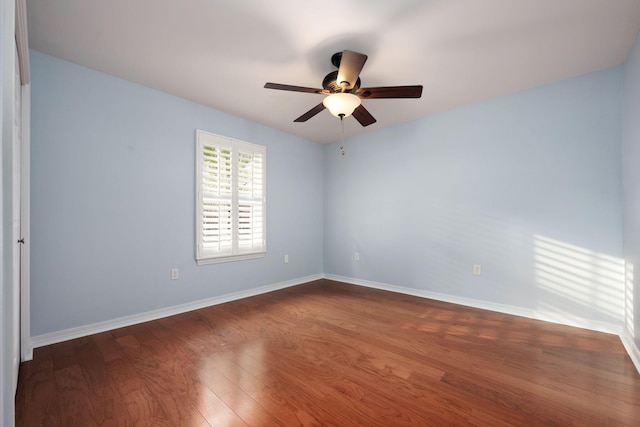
(390, 92)
(351, 64)
(363, 116)
(306, 116)
(291, 88)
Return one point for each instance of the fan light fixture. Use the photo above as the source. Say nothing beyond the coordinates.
(341, 104)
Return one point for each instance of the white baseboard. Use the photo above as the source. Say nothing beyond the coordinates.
(81, 331)
(486, 305)
(610, 328)
(632, 348)
(94, 328)
(27, 349)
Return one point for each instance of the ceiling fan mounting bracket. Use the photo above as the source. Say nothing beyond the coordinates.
(336, 58)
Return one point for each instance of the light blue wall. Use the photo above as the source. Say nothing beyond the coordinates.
(527, 185)
(631, 186)
(113, 200)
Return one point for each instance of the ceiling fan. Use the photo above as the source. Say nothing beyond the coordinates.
(343, 90)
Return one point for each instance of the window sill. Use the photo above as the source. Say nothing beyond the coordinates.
(229, 258)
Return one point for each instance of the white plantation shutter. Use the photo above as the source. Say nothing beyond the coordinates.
(230, 211)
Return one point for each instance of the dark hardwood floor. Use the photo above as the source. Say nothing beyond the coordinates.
(327, 353)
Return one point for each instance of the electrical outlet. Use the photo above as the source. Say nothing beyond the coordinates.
(357, 256)
(286, 259)
(174, 274)
(477, 269)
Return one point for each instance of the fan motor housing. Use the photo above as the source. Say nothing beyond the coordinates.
(330, 83)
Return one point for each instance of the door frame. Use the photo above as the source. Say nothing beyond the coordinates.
(26, 348)
(22, 43)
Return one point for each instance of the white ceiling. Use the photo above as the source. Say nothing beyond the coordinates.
(221, 53)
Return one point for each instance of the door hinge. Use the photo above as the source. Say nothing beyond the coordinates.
(21, 241)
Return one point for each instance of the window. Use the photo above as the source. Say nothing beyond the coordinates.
(230, 199)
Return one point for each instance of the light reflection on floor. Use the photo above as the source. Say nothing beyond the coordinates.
(220, 375)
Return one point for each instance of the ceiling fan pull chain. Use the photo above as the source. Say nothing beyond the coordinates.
(342, 123)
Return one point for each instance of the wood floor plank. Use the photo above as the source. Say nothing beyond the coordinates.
(103, 396)
(36, 386)
(74, 400)
(212, 408)
(328, 353)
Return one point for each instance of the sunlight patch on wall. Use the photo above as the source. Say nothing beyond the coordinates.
(576, 276)
(628, 298)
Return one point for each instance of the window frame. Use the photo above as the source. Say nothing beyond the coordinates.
(204, 255)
